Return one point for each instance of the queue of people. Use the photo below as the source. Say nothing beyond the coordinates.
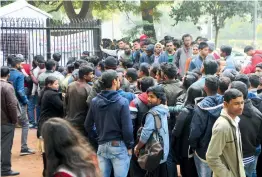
(151, 110)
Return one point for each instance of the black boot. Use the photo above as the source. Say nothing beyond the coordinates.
(44, 162)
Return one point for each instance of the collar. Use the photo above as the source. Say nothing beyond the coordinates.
(234, 122)
(3, 80)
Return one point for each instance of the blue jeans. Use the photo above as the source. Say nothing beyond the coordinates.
(32, 106)
(249, 168)
(171, 164)
(203, 169)
(258, 151)
(113, 156)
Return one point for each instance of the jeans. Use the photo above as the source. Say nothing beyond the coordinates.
(258, 151)
(7, 137)
(115, 156)
(32, 106)
(249, 168)
(203, 169)
(23, 120)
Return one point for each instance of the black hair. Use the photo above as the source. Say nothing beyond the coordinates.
(94, 60)
(210, 67)
(254, 80)
(144, 67)
(126, 63)
(223, 83)
(61, 69)
(168, 38)
(136, 40)
(169, 41)
(107, 78)
(66, 147)
(198, 37)
(232, 94)
(50, 64)
(241, 87)
(177, 43)
(132, 73)
(211, 83)
(226, 49)
(40, 58)
(204, 39)
(71, 60)
(169, 69)
(145, 83)
(193, 92)
(189, 79)
(123, 40)
(230, 73)
(202, 45)
(57, 57)
(84, 70)
(50, 80)
(159, 92)
(197, 71)
(248, 48)
(101, 64)
(186, 35)
(16, 61)
(243, 78)
(80, 62)
(154, 69)
(259, 65)
(70, 68)
(5, 71)
(10, 59)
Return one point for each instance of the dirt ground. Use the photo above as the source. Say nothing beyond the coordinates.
(30, 165)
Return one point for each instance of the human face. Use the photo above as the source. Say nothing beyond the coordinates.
(144, 48)
(127, 50)
(54, 86)
(158, 76)
(204, 52)
(187, 41)
(136, 46)
(19, 66)
(222, 54)
(235, 106)
(89, 77)
(250, 52)
(195, 50)
(121, 45)
(170, 47)
(153, 100)
(258, 71)
(117, 83)
(158, 49)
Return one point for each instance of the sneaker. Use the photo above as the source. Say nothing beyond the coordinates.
(31, 125)
(10, 173)
(27, 151)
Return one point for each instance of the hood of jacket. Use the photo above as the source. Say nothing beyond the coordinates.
(105, 98)
(143, 98)
(161, 109)
(212, 104)
(150, 47)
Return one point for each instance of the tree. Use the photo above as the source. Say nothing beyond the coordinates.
(218, 10)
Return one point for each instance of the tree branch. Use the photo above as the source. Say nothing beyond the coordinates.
(57, 8)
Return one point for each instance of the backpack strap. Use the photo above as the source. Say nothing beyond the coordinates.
(157, 119)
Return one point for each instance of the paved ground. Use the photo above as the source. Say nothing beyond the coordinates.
(28, 166)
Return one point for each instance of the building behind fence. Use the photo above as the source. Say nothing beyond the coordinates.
(30, 37)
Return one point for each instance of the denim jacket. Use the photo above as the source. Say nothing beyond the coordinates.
(149, 127)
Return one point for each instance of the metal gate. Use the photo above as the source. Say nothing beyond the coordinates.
(30, 37)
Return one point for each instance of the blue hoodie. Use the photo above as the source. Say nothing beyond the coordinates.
(110, 114)
(149, 126)
(205, 114)
(128, 95)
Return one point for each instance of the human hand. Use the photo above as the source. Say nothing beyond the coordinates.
(129, 151)
(136, 151)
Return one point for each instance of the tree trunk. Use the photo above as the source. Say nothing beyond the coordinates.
(216, 37)
(147, 17)
(70, 11)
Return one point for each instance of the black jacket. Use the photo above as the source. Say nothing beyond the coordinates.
(51, 106)
(250, 126)
(181, 132)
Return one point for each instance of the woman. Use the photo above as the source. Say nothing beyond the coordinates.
(67, 152)
(51, 105)
(181, 133)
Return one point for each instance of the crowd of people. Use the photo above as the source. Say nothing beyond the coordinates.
(175, 108)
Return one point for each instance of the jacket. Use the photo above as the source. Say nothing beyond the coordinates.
(205, 114)
(173, 90)
(196, 62)
(250, 126)
(149, 126)
(75, 103)
(224, 154)
(181, 55)
(43, 76)
(251, 68)
(148, 59)
(164, 57)
(181, 132)
(51, 105)
(110, 114)
(17, 79)
(230, 64)
(9, 103)
(128, 95)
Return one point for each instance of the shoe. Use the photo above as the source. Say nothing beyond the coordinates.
(27, 151)
(10, 173)
(31, 125)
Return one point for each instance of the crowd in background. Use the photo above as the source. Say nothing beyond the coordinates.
(197, 110)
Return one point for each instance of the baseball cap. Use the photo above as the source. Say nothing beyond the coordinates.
(110, 62)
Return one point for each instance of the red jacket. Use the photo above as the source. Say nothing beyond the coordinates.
(256, 58)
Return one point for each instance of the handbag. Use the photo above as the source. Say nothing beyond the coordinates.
(153, 152)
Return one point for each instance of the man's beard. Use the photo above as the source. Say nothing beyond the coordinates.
(128, 52)
(150, 105)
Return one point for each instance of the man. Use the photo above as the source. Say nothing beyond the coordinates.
(137, 53)
(57, 58)
(223, 84)
(109, 113)
(259, 88)
(250, 126)
(225, 51)
(212, 48)
(132, 76)
(254, 83)
(198, 60)
(183, 53)
(9, 115)
(259, 69)
(168, 55)
(143, 71)
(75, 98)
(205, 114)
(195, 53)
(50, 71)
(256, 58)
(65, 81)
(245, 79)
(127, 55)
(17, 79)
(110, 63)
(224, 153)
(116, 53)
(148, 56)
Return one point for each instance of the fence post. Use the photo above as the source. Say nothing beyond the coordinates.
(48, 39)
(97, 40)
